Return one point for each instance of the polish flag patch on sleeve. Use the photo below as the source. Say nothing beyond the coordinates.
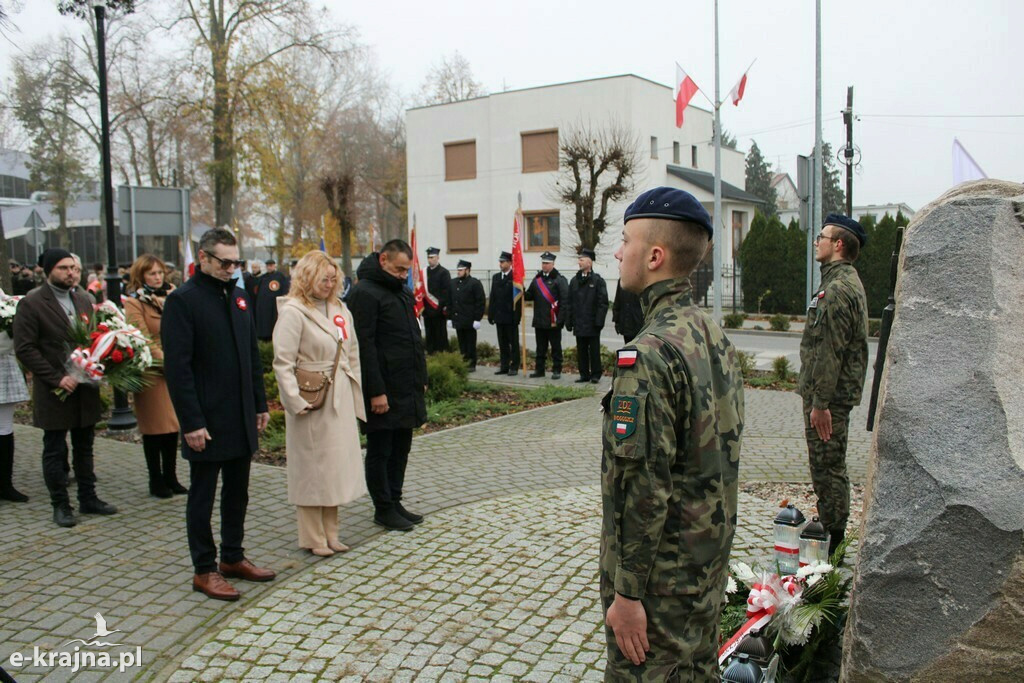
(626, 358)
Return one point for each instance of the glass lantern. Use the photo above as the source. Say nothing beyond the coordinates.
(788, 525)
(814, 540)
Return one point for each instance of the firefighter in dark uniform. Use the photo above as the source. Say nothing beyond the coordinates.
(466, 311)
(548, 291)
(435, 311)
(270, 286)
(505, 313)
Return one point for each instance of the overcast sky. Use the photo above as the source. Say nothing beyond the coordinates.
(908, 58)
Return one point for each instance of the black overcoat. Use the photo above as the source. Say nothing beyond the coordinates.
(627, 314)
(268, 288)
(391, 355)
(500, 310)
(559, 289)
(468, 302)
(588, 304)
(439, 284)
(212, 366)
(43, 344)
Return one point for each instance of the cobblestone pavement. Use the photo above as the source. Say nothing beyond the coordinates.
(473, 572)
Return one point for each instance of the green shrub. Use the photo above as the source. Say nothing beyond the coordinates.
(747, 363)
(486, 352)
(273, 437)
(452, 360)
(733, 321)
(443, 381)
(266, 355)
(874, 327)
(782, 368)
(270, 384)
(608, 359)
(569, 356)
(779, 322)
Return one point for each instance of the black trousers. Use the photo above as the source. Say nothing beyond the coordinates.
(508, 347)
(588, 356)
(552, 337)
(55, 463)
(467, 344)
(387, 454)
(234, 499)
(437, 333)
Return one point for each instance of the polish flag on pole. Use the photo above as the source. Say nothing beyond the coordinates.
(190, 264)
(685, 90)
(736, 94)
(964, 166)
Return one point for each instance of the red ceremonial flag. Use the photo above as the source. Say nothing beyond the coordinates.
(518, 269)
(736, 94)
(685, 90)
(416, 276)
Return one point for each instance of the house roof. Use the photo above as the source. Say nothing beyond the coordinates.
(778, 178)
(706, 182)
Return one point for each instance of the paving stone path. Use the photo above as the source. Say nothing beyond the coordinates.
(500, 581)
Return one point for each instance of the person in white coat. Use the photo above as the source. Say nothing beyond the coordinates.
(325, 468)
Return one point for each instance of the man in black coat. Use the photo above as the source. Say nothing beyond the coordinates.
(43, 344)
(505, 313)
(548, 291)
(466, 310)
(588, 306)
(269, 287)
(627, 314)
(435, 309)
(394, 370)
(251, 278)
(215, 379)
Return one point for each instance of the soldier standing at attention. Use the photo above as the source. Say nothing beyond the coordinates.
(670, 462)
(548, 292)
(833, 366)
(467, 308)
(439, 286)
(505, 313)
(588, 307)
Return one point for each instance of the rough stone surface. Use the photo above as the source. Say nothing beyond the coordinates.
(939, 584)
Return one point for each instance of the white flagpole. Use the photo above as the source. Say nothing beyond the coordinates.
(719, 223)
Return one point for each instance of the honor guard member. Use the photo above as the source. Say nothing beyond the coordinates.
(504, 312)
(548, 292)
(670, 462)
(270, 286)
(466, 311)
(833, 366)
(588, 307)
(627, 314)
(439, 288)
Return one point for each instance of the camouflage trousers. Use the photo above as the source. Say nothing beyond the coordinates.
(683, 634)
(828, 468)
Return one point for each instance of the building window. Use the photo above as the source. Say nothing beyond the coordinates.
(738, 219)
(654, 147)
(693, 156)
(542, 230)
(675, 153)
(462, 234)
(460, 160)
(540, 151)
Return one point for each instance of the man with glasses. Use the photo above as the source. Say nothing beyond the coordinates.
(833, 366)
(215, 379)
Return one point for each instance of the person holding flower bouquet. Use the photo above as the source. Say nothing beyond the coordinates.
(12, 392)
(144, 307)
(44, 329)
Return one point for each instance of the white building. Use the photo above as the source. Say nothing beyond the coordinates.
(879, 210)
(787, 201)
(468, 161)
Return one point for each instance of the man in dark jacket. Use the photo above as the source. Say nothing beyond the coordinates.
(588, 306)
(268, 287)
(466, 311)
(505, 313)
(215, 379)
(43, 343)
(627, 314)
(435, 309)
(548, 292)
(394, 370)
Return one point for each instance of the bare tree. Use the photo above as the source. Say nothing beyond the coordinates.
(597, 168)
(450, 80)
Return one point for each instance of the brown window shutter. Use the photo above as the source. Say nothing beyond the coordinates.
(540, 151)
(460, 160)
(462, 234)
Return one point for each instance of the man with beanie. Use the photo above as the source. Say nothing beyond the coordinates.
(548, 291)
(42, 341)
(588, 306)
(505, 313)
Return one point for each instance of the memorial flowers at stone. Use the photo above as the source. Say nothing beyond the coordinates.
(8, 307)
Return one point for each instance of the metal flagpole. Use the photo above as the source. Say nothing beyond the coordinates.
(717, 241)
(818, 165)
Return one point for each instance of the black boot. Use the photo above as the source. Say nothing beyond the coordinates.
(169, 459)
(63, 515)
(411, 516)
(392, 520)
(7, 490)
(836, 537)
(151, 448)
(537, 373)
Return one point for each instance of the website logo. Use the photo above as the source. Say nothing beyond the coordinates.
(89, 655)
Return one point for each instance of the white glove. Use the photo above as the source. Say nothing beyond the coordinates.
(451, 325)
(476, 324)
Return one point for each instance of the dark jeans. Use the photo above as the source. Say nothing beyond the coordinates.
(588, 356)
(545, 337)
(55, 464)
(234, 499)
(508, 347)
(437, 333)
(467, 344)
(387, 454)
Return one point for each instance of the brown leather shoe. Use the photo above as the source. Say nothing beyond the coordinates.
(214, 586)
(246, 570)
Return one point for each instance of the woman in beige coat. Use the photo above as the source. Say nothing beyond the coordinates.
(144, 307)
(325, 467)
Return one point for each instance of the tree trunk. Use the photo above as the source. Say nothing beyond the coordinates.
(5, 256)
(223, 130)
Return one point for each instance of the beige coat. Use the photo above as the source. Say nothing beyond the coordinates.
(325, 465)
(153, 408)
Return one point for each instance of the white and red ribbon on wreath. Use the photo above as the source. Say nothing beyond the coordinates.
(764, 600)
(88, 361)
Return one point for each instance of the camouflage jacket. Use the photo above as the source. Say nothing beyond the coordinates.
(671, 448)
(834, 348)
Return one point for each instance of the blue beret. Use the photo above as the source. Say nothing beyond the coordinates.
(670, 203)
(847, 223)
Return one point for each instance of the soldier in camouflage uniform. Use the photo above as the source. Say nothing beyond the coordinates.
(670, 464)
(833, 365)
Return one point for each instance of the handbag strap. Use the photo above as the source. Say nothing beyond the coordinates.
(337, 359)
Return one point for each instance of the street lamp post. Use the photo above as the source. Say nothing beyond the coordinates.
(121, 417)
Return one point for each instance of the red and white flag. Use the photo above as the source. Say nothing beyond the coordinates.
(736, 94)
(685, 90)
(416, 278)
(190, 264)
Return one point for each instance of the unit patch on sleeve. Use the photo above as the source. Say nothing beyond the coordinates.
(624, 415)
(626, 357)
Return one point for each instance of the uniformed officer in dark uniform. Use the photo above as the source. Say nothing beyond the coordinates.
(833, 366)
(670, 462)
(627, 314)
(505, 314)
(435, 310)
(466, 310)
(270, 286)
(548, 291)
(588, 306)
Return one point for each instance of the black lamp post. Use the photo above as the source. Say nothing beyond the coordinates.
(122, 417)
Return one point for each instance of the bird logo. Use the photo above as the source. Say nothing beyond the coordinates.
(101, 632)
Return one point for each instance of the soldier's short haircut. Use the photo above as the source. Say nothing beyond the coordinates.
(687, 242)
(394, 247)
(215, 236)
(851, 245)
